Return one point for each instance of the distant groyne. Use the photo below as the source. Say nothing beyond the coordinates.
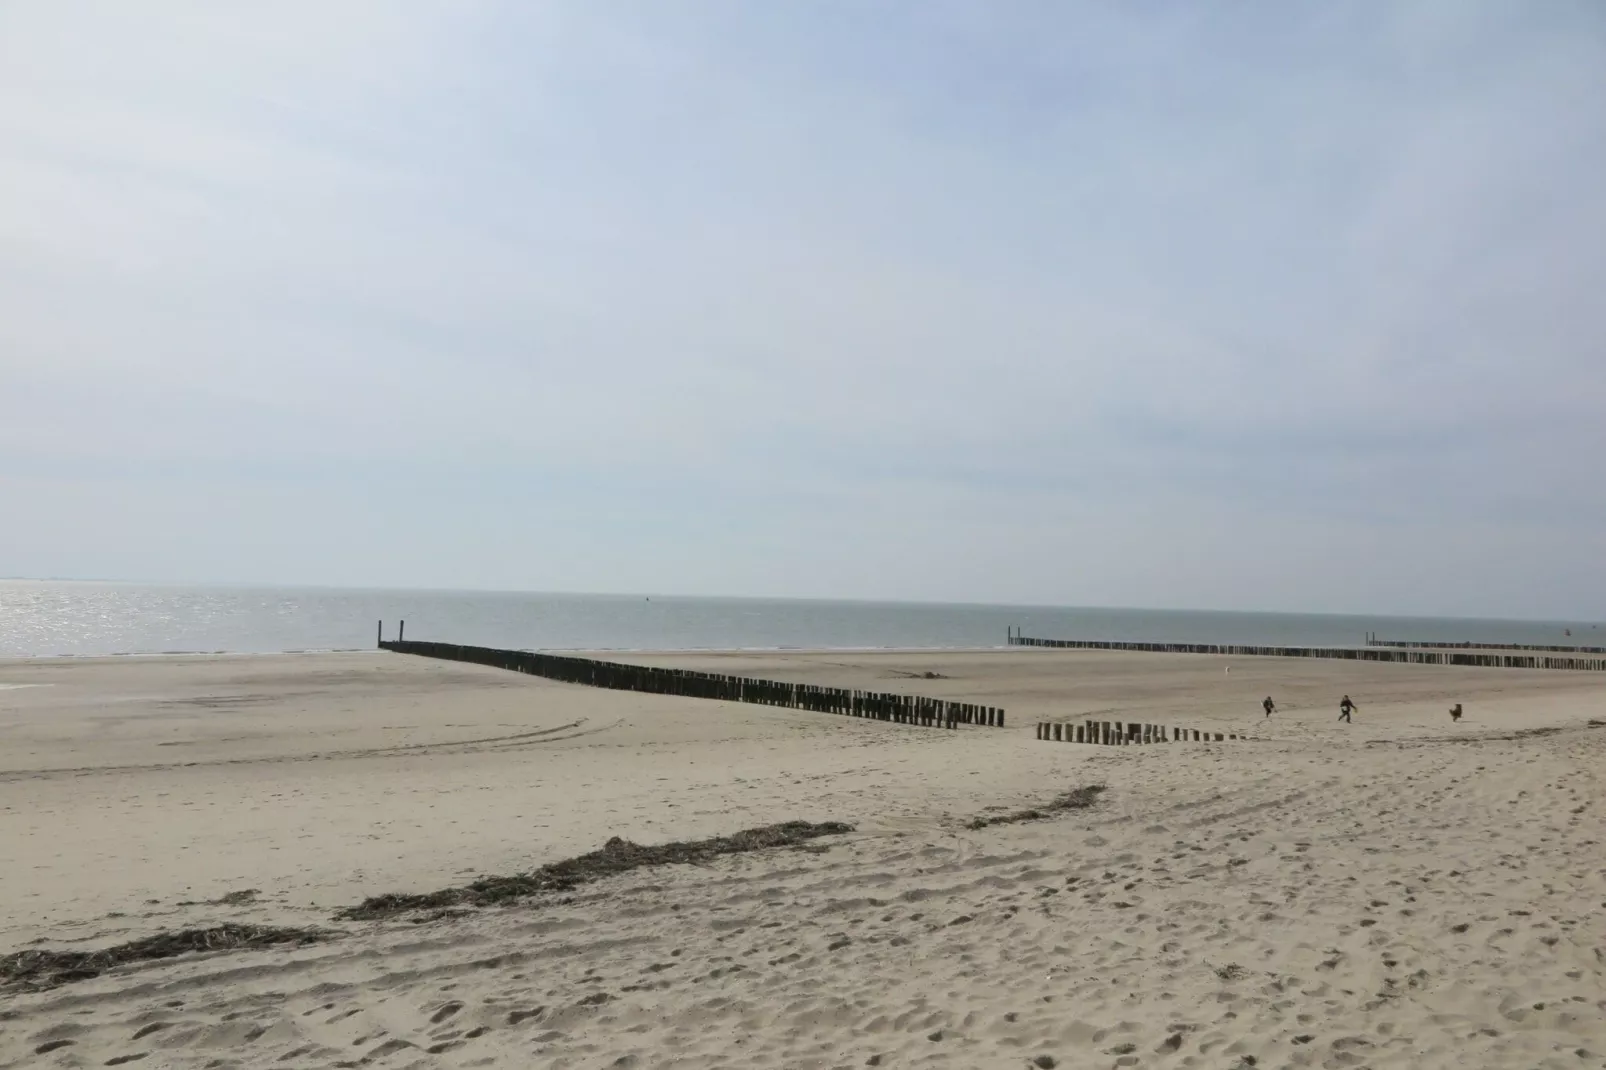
(1372, 640)
(1362, 653)
(652, 679)
(1118, 734)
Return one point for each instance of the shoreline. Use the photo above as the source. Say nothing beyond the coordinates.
(667, 651)
(1039, 643)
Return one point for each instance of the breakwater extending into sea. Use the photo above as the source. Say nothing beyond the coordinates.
(657, 680)
(1365, 653)
(1429, 645)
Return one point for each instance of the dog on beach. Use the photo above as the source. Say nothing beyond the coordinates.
(1455, 712)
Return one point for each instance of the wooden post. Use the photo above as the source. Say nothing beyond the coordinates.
(381, 633)
(401, 631)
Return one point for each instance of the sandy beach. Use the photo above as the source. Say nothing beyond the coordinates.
(1400, 892)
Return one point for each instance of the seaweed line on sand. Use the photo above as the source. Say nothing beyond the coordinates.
(616, 856)
(1078, 799)
(41, 969)
(1490, 737)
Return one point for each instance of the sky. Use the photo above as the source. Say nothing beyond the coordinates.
(1275, 305)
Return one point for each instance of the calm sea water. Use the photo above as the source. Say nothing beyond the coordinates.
(71, 618)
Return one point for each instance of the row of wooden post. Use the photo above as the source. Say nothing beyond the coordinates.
(1415, 644)
(1366, 653)
(1119, 734)
(874, 705)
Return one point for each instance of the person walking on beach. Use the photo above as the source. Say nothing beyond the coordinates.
(1345, 708)
(1269, 706)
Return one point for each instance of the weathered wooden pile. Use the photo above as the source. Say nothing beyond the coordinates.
(1414, 644)
(1415, 657)
(897, 709)
(1118, 734)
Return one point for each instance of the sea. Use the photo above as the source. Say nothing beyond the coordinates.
(60, 618)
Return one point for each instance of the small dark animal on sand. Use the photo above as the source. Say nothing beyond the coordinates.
(1455, 712)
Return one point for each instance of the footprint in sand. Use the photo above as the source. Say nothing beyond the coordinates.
(445, 1012)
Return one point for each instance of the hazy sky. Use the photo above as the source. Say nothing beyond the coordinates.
(1268, 305)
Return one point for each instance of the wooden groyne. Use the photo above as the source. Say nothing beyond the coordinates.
(1125, 734)
(616, 676)
(1372, 640)
(1361, 653)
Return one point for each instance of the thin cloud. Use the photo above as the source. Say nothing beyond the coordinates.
(794, 272)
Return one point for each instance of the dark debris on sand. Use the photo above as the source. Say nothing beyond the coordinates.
(1079, 799)
(41, 969)
(1489, 737)
(616, 856)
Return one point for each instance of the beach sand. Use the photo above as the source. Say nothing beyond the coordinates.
(1400, 892)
